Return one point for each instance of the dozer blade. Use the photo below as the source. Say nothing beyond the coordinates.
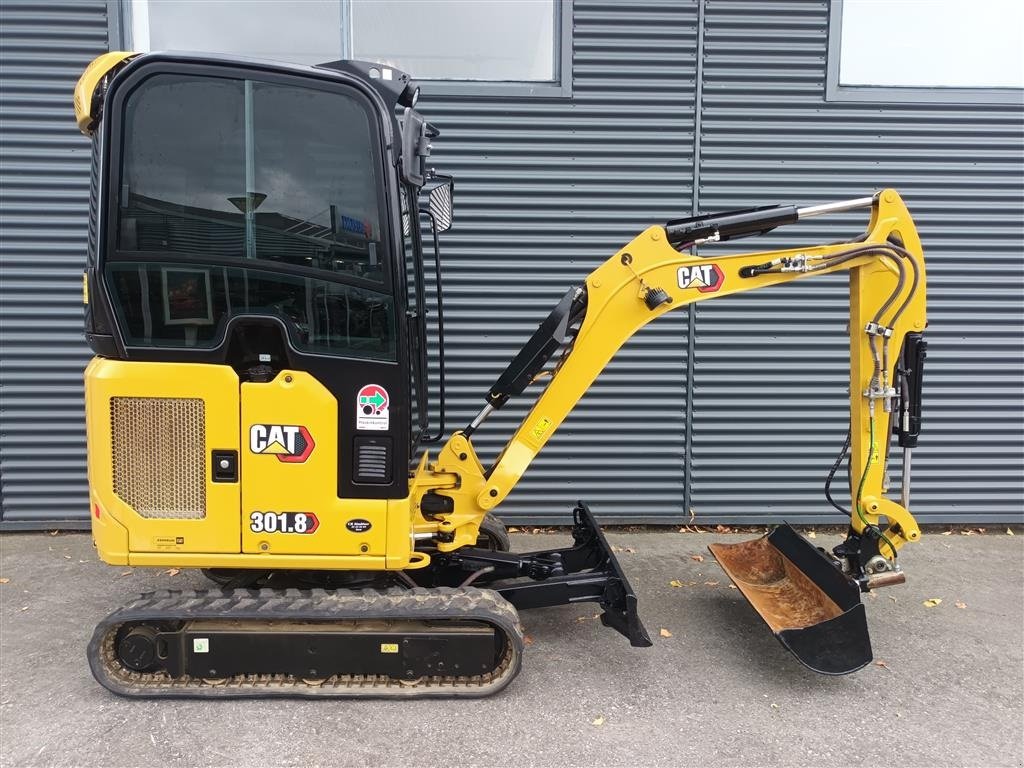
(810, 605)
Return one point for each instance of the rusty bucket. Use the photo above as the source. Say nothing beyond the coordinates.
(811, 606)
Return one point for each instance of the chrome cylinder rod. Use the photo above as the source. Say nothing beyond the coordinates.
(486, 411)
(905, 480)
(842, 205)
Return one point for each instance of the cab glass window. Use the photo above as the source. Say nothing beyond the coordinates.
(248, 197)
(237, 169)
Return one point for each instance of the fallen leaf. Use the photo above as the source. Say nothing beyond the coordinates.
(630, 550)
(710, 583)
(698, 558)
(723, 529)
(665, 633)
(5, 581)
(67, 557)
(1009, 532)
(616, 549)
(947, 533)
(513, 529)
(968, 532)
(812, 535)
(24, 607)
(126, 573)
(733, 586)
(774, 705)
(960, 604)
(173, 571)
(527, 640)
(54, 533)
(931, 602)
(675, 583)
(893, 598)
(882, 664)
(599, 720)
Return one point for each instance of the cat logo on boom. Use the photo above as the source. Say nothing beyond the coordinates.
(291, 444)
(706, 278)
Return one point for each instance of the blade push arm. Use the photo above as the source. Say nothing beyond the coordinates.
(649, 277)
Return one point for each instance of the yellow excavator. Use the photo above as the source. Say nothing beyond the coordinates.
(256, 301)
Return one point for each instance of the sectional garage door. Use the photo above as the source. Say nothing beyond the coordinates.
(44, 173)
(674, 105)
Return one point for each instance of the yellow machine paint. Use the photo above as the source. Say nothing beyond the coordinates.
(296, 398)
(88, 87)
(615, 314)
(218, 532)
(279, 455)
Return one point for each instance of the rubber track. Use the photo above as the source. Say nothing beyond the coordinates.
(461, 604)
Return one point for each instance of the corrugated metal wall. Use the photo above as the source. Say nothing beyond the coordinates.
(548, 188)
(770, 368)
(43, 216)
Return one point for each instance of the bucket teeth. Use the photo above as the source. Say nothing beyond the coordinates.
(810, 605)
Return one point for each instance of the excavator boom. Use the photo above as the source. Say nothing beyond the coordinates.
(809, 599)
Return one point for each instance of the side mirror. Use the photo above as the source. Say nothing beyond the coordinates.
(415, 147)
(440, 203)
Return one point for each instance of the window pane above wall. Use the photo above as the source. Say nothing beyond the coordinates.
(497, 40)
(932, 43)
(306, 32)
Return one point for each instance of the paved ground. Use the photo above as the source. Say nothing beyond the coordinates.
(719, 691)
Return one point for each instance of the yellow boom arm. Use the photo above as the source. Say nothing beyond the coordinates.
(887, 301)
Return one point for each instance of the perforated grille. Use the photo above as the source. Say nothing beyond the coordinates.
(159, 456)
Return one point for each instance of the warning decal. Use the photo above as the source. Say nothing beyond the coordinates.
(372, 408)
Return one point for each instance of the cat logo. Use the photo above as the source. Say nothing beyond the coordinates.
(289, 443)
(706, 278)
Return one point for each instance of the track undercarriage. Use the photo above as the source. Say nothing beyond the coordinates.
(454, 633)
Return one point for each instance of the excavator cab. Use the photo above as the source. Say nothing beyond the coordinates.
(251, 219)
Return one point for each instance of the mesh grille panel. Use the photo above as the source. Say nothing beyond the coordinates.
(159, 455)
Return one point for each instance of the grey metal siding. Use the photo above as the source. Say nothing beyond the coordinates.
(547, 189)
(44, 165)
(770, 368)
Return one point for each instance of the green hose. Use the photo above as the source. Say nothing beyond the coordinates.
(860, 490)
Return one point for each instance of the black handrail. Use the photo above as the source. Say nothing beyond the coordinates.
(440, 332)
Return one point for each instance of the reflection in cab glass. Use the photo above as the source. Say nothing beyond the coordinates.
(282, 181)
(181, 305)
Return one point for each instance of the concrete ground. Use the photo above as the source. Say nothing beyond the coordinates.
(946, 688)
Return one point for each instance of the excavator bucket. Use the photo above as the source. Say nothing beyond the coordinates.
(811, 606)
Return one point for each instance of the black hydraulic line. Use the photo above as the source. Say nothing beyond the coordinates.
(832, 473)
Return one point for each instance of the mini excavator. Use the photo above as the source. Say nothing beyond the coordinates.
(256, 301)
